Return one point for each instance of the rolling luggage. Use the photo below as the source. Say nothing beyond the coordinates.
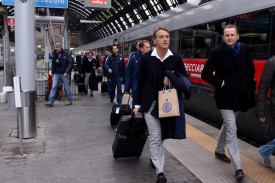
(131, 135)
(99, 74)
(104, 84)
(119, 110)
(81, 85)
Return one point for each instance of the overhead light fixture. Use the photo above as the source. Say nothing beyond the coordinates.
(89, 22)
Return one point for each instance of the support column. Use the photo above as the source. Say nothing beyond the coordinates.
(66, 36)
(47, 44)
(25, 61)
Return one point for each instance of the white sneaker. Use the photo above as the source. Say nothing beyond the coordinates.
(266, 161)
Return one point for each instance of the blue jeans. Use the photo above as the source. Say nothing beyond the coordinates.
(109, 86)
(268, 149)
(116, 82)
(56, 80)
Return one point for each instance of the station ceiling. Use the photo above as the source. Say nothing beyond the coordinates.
(122, 15)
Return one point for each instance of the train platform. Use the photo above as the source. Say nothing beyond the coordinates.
(74, 144)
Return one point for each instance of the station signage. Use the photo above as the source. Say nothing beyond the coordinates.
(97, 4)
(11, 21)
(43, 3)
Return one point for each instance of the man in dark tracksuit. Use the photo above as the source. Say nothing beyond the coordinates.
(132, 70)
(105, 71)
(234, 71)
(116, 67)
(267, 82)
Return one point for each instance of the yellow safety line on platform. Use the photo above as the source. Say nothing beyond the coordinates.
(251, 168)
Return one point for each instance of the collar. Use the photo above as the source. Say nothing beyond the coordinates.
(155, 53)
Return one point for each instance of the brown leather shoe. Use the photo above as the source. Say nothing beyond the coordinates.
(68, 103)
(222, 157)
(49, 104)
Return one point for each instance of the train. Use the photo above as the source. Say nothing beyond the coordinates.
(196, 28)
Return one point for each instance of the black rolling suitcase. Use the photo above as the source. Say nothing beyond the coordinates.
(104, 88)
(81, 85)
(131, 135)
(119, 110)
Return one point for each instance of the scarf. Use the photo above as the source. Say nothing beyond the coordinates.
(235, 50)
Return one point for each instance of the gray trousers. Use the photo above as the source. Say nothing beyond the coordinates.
(228, 137)
(87, 76)
(155, 142)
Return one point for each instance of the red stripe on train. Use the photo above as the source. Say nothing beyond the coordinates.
(195, 66)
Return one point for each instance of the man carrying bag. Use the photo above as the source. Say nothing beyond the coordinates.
(152, 76)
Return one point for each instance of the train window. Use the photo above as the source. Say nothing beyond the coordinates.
(254, 30)
(185, 37)
(201, 44)
(195, 43)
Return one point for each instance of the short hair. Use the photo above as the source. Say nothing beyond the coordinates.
(107, 49)
(136, 42)
(231, 26)
(116, 46)
(141, 43)
(158, 29)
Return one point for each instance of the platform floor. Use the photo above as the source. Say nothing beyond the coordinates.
(74, 145)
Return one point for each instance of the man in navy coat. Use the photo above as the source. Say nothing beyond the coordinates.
(152, 77)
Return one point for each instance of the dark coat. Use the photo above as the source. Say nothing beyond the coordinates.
(79, 65)
(180, 83)
(61, 63)
(93, 83)
(88, 67)
(237, 74)
(150, 81)
(111, 62)
(132, 73)
(267, 82)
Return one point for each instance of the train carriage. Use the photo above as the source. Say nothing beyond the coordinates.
(195, 30)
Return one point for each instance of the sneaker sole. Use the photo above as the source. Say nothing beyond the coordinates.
(266, 165)
(263, 160)
(240, 177)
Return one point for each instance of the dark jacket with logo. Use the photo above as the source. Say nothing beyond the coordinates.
(132, 73)
(61, 63)
(237, 74)
(267, 82)
(111, 61)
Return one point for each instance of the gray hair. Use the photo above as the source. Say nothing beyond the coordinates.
(58, 45)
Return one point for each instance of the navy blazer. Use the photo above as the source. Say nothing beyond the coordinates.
(148, 77)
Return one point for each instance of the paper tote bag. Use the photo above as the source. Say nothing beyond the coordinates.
(168, 103)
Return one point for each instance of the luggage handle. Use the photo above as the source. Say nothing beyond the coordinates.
(103, 79)
(128, 98)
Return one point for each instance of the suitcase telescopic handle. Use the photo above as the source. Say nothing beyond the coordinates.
(128, 98)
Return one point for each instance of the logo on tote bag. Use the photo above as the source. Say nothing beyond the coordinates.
(167, 107)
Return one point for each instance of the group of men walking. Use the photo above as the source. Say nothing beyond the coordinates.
(147, 73)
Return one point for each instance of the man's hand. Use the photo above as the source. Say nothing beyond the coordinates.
(65, 74)
(136, 111)
(166, 81)
(262, 119)
(110, 71)
(82, 75)
(94, 67)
